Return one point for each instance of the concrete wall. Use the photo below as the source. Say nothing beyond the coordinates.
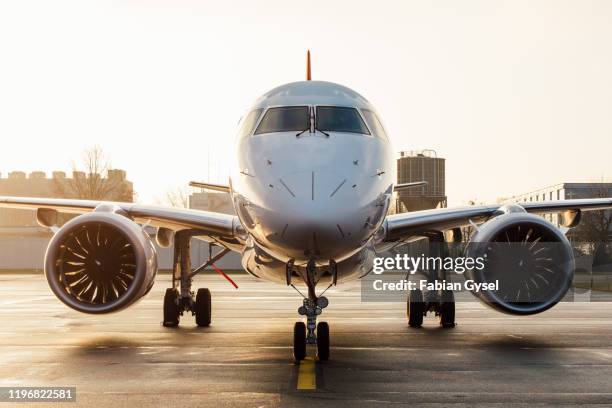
(24, 248)
(36, 184)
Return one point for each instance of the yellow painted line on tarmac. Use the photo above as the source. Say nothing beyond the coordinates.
(307, 378)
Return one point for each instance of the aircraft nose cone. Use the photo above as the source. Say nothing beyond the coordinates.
(313, 196)
(313, 188)
(319, 214)
(316, 212)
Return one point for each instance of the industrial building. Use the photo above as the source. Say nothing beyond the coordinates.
(594, 225)
(422, 165)
(566, 191)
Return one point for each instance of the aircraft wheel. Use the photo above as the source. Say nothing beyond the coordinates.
(447, 310)
(415, 308)
(203, 307)
(299, 341)
(323, 341)
(171, 308)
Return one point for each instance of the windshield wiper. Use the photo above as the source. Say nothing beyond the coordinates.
(316, 130)
(312, 128)
(300, 133)
(321, 131)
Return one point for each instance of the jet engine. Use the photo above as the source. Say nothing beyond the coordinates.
(529, 258)
(100, 262)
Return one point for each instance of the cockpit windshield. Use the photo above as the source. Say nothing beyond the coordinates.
(340, 119)
(284, 119)
(297, 119)
(249, 122)
(374, 123)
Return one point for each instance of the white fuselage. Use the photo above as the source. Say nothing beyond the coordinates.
(313, 196)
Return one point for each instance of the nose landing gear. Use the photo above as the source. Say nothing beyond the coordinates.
(311, 332)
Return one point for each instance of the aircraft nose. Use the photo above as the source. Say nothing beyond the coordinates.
(319, 210)
(314, 196)
(320, 213)
(312, 189)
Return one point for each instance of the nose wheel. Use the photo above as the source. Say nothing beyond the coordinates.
(311, 332)
(299, 341)
(323, 341)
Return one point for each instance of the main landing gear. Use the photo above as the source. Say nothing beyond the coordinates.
(180, 298)
(313, 305)
(442, 303)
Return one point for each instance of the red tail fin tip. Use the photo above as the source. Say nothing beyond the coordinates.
(308, 77)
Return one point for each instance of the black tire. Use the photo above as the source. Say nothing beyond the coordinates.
(447, 310)
(323, 341)
(203, 307)
(299, 341)
(415, 308)
(171, 308)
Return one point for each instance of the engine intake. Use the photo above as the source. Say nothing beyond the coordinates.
(530, 258)
(100, 262)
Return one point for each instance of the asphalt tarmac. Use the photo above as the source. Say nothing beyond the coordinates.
(563, 356)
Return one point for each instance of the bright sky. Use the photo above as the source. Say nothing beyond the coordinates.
(515, 95)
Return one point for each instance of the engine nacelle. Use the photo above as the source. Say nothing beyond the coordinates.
(100, 262)
(530, 258)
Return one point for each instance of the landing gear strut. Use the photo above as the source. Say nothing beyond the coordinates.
(442, 303)
(180, 298)
(312, 307)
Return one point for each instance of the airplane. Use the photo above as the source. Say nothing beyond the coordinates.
(311, 188)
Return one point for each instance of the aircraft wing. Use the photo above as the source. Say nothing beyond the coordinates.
(210, 186)
(215, 225)
(403, 226)
(407, 186)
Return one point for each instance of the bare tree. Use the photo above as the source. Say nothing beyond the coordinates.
(96, 181)
(177, 198)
